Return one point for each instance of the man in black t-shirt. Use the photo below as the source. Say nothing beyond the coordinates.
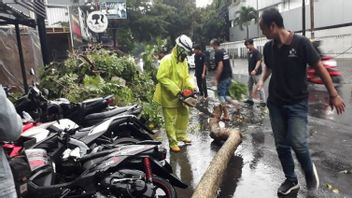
(223, 76)
(254, 71)
(201, 71)
(286, 57)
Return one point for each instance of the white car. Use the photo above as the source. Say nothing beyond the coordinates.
(190, 60)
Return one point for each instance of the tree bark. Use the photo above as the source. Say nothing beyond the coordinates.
(209, 184)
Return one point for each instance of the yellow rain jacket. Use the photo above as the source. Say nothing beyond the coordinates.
(173, 77)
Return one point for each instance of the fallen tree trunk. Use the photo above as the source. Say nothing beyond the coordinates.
(209, 184)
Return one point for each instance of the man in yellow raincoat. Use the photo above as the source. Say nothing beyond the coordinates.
(173, 78)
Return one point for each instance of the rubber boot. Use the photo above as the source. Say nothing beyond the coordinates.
(175, 148)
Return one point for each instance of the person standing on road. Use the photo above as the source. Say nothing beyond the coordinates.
(173, 78)
(223, 76)
(201, 71)
(254, 70)
(10, 129)
(286, 57)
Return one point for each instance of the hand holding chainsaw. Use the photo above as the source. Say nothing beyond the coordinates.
(188, 97)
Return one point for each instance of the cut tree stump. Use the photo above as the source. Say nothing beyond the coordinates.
(212, 178)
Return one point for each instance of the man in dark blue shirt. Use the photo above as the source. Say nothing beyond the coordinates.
(254, 71)
(201, 71)
(223, 76)
(286, 57)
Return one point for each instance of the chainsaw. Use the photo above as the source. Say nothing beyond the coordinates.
(190, 99)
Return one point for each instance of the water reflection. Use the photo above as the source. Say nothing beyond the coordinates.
(231, 177)
(181, 166)
(258, 150)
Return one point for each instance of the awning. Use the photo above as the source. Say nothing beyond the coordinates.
(10, 15)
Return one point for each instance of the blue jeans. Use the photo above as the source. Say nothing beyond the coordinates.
(289, 124)
(223, 89)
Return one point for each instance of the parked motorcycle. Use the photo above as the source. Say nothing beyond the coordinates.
(61, 166)
(115, 130)
(33, 132)
(86, 113)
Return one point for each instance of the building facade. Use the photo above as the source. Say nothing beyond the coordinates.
(333, 24)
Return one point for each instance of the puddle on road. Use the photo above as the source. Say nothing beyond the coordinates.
(254, 170)
(245, 168)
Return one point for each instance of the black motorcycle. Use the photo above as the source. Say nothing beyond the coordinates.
(86, 113)
(61, 166)
(115, 130)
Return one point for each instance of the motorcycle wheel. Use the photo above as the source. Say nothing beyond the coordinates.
(164, 188)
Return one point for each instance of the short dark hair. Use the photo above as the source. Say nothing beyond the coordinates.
(248, 42)
(215, 42)
(197, 47)
(272, 15)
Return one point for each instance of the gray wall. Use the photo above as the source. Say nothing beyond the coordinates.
(266, 3)
(64, 2)
(237, 35)
(327, 13)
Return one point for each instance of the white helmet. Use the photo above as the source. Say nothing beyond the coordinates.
(185, 42)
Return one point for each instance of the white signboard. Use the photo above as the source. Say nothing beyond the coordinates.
(114, 9)
(97, 22)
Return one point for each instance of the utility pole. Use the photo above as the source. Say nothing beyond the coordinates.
(258, 19)
(303, 17)
(311, 4)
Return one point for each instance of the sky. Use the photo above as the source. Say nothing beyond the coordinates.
(203, 3)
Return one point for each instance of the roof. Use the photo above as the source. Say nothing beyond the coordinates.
(10, 15)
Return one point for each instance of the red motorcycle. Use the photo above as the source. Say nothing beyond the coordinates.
(329, 63)
(332, 68)
(13, 149)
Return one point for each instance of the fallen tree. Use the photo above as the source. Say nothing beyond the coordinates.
(209, 184)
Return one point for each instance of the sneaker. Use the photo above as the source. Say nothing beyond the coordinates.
(175, 148)
(313, 180)
(250, 102)
(287, 187)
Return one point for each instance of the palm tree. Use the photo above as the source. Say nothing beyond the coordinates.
(245, 16)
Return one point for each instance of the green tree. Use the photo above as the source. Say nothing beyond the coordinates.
(167, 19)
(212, 22)
(245, 16)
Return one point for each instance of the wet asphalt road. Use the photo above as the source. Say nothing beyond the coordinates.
(254, 170)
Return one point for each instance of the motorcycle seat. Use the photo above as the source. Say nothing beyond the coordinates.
(107, 114)
(91, 101)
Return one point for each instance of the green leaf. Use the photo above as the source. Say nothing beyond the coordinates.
(237, 90)
(93, 82)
